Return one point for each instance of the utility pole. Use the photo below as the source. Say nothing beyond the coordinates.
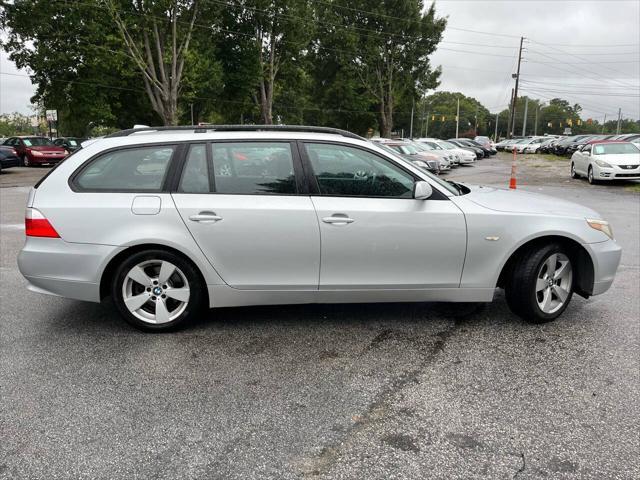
(604, 121)
(495, 133)
(535, 127)
(515, 92)
(426, 130)
(458, 117)
(411, 125)
(509, 117)
(619, 118)
(192, 123)
(524, 121)
(475, 127)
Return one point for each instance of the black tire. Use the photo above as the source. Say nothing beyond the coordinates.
(520, 285)
(196, 286)
(573, 171)
(590, 179)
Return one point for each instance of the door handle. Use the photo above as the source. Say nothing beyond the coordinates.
(338, 219)
(205, 217)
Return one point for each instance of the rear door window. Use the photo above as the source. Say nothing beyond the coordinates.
(140, 169)
(253, 168)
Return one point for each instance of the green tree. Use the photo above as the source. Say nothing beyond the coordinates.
(440, 109)
(263, 43)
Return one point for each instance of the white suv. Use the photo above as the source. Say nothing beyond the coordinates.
(169, 220)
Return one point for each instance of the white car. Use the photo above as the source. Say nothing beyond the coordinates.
(169, 220)
(529, 145)
(465, 156)
(606, 161)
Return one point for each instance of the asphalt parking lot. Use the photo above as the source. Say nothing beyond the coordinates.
(332, 391)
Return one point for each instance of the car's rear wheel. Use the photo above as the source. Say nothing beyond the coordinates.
(590, 177)
(574, 174)
(540, 285)
(156, 290)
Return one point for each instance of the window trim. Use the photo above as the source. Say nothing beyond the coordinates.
(183, 168)
(314, 187)
(300, 178)
(169, 176)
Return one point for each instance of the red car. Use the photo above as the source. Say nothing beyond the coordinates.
(36, 150)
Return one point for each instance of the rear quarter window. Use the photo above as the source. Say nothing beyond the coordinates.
(141, 169)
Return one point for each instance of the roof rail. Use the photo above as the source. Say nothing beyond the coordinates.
(237, 128)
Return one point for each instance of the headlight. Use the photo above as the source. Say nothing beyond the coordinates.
(36, 153)
(601, 225)
(603, 164)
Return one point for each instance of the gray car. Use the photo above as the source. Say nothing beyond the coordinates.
(167, 221)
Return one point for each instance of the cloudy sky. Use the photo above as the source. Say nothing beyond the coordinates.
(586, 51)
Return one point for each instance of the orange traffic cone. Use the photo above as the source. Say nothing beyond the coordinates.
(512, 180)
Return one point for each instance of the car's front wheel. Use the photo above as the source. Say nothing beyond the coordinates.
(574, 174)
(25, 161)
(540, 285)
(156, 290)
(590, 177)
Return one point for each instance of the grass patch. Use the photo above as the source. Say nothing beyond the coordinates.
(633, 188)
(550, 157)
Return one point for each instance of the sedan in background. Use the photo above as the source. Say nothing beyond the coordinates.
(606, 160)
(406, 148)
(477, 150)
(70, 143)
(35, 151)
(432, 166)
(470, 143)
(464, 156)
(451, 157)
(8, 158)
(486, 142)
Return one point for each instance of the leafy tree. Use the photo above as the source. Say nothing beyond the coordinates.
(264, 41)
(440, 110)
(157, 36)
(386, 47)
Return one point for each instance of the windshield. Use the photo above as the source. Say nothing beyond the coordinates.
(447, 145)
(37, 141)
(406, 149)
(614, 148)
(482, 139)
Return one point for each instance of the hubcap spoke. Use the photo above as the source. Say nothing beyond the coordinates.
(134, 303)
(546, 300)
(541, 284)
(561, 293)
(562, 272)
(166, 270)
(551, 264)
(180, 294)
(162, 314)
(138, 275)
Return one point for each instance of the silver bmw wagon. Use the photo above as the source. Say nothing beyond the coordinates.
(168, 221)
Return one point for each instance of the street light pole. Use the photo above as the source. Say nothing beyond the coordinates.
(458, 117)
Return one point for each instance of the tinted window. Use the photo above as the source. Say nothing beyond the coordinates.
(348, 171)
(195, 176)
(252, 168)
(137, 169)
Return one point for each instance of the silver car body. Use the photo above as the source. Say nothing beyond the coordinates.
(465, 156)
(281, 249)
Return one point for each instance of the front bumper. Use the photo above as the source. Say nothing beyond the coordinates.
(73, 270)
(9, 162)
(34, 160)
(615, 173)
(606, 258)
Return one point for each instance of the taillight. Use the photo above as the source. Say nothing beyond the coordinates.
(36, 225)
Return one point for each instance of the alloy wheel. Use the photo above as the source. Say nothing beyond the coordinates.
(155, 291)
(553, 283)
(590, 175)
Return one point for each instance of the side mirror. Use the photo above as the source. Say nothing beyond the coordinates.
(422, 190)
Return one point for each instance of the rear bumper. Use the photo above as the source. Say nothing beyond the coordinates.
(606, 258)
(71, 270)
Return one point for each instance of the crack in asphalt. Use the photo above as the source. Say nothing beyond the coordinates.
(378, 408)
(522, 467)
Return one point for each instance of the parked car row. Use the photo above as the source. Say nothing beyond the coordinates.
(559, 145)
(31, 151)
(436, 155)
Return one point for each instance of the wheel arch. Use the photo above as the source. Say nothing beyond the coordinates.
(580, 258)
(109, 270)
